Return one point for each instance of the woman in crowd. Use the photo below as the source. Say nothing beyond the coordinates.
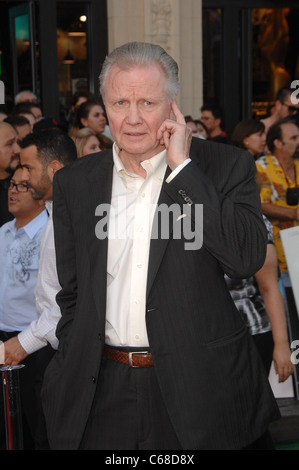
(105, 142)
(202, 129)
(259, 298)
(250, 134)
(261, 305)
(90, 114)
(86, 141)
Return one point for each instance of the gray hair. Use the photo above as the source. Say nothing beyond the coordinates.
(19, 96)
(142, 54)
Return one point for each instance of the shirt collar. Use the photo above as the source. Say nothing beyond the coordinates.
(32, 227)
(155, 166)
(49, 207)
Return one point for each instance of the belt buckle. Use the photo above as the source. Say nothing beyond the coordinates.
(131, 357)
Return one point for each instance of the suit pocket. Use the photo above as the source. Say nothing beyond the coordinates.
(235, 336)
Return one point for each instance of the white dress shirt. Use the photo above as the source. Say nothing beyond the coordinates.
(135, 198)
(133, 204)
(42, 331)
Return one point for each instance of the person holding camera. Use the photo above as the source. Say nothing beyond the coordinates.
(279, 172)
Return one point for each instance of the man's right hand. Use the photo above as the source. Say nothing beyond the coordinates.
(14, 352)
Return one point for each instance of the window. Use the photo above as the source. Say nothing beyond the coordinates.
(72, 40)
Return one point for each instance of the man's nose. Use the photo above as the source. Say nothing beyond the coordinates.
(13, 190)
(16, 148)
(25, 174)
(134, 116)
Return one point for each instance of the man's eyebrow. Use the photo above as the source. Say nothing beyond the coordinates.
(26, 166)
(19, 182)
(11, 141)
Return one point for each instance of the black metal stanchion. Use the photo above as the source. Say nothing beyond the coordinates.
(12, 406)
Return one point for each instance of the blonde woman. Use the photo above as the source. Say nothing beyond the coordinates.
(86, 141)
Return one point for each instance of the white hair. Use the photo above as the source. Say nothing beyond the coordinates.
(19, 95)
(142, 54)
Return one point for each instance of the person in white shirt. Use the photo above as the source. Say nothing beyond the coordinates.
(19, 258)
(41, 155)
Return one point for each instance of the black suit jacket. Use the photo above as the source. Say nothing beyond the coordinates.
(216, 391)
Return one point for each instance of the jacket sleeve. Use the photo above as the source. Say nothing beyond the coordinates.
(232, 227)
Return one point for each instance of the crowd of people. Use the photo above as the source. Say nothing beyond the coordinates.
(39, 263)
(273, 142)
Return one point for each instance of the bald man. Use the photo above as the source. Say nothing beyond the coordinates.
(9, 160)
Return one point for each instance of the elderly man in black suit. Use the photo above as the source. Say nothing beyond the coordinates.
(152, 351)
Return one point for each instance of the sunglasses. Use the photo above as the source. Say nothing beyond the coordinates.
(292, 109)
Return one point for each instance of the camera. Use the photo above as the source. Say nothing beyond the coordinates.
(293, 196)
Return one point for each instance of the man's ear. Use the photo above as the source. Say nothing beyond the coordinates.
(278, 105)
(278, 143)
(172, 116)
(54, 166)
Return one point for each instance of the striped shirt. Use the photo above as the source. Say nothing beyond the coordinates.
(248, 300)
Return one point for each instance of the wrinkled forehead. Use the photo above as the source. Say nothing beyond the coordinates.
(135, 77)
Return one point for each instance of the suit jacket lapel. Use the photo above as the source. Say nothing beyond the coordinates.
(158, 245)
(100, 181)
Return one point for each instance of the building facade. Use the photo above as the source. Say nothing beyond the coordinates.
(234, 53)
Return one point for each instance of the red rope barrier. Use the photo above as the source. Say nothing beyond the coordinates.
(9, 436)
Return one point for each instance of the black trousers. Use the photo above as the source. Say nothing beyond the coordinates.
(30, 377)
(128, 413)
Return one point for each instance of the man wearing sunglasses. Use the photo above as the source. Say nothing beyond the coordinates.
(283, 107)
(19, 259)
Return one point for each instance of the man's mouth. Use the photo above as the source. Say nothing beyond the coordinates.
(135, 134)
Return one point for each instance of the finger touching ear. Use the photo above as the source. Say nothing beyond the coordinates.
(177, 113)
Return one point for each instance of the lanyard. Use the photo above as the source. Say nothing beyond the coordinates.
(287, 177)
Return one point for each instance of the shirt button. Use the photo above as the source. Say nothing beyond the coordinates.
(137, 337)
(139, 265)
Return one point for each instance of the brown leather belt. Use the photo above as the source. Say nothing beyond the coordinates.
(132, 359)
